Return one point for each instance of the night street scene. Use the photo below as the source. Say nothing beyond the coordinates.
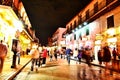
(59, 39)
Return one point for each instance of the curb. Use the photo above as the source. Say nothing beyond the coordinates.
(17, 72)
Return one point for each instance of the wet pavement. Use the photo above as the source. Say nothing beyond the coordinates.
(60, 70)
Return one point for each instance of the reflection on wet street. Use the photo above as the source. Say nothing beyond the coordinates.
(60, 70)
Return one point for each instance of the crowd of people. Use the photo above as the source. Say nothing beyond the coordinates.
(39, 55)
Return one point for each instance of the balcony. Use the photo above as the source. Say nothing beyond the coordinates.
(103, 7)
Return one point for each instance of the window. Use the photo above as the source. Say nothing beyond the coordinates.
(87, 31)
(74, 36)
(75, 24)
(87, 14)
(79, 19)
(71, 26)
(110, 21)
(96, 7)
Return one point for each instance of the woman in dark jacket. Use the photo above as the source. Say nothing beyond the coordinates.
(106, 54)
(100, 57)
(106, 58)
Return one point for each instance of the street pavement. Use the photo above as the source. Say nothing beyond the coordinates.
(60, 70)
(60, 67)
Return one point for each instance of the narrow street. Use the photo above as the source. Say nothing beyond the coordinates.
(60, 70)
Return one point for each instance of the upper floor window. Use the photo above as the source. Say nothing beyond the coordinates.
(96, 7)
(87, 14)
(110, 21)
(0, 1)
(75, 24)
(79, 19)
(71, 26)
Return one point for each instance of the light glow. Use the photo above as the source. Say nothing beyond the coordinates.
(111, 31)
(112, 40)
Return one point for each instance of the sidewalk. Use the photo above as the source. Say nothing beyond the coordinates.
(8, 71)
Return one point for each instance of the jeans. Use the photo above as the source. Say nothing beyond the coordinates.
(68, 58)
(18, 55)
(34, 63)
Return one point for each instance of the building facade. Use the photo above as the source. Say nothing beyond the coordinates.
(15, 24)
(57, 38)
(96, 26)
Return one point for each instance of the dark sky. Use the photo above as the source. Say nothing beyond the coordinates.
(47, 15)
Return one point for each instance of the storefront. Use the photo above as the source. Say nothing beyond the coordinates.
(11, 28)
(97, 44)
(25, 40)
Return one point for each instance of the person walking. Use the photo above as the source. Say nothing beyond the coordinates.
(35, 56)
(55, 53)
(40, 56)
(114, 54)
(75, 54)
(68, 54)
(51, 53)
(79, 55)
(61, 53)
(19, 49)
(3, 53)
(44, 55)
(87, 56)
(100, 58)
(106, 57)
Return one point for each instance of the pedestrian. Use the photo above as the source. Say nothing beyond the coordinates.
(44, 56)
(68, 54)
(91, 55)
(61, 52)
(40, 56)
(51, 53)
(55, 53)
(79, 55)
(35, 56)
(114, 54)
(3, 53)
(75, 54)
(106, 57)
(87, 56)
(19, 49)
(100, 58)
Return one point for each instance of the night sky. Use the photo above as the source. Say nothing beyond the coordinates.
(47, 15)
